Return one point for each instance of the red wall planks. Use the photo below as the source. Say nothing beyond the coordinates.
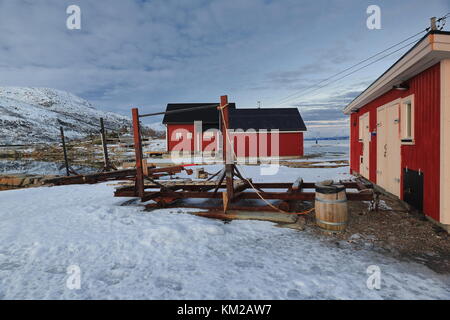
(171, 133)
(290, 143)
(424, 155)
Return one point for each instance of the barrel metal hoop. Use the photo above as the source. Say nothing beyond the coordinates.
(331, 231)
(331, 201)
(332, 223)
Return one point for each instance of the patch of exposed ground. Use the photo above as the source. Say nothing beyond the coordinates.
(393, 230)
(316, 164)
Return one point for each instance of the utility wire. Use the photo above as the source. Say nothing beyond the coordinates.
(354, 71)
(208, 106)
(295, 94)
(287, 98)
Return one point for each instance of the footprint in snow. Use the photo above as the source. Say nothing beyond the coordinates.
(57, 270)
(170, 284)
(6, 266)
(294, 294)
(127, 221)
(248, 264)
(113, 277)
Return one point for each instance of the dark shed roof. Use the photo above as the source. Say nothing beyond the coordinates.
(209, 116)
(283, 119)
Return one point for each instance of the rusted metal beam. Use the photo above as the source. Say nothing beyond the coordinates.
(63, 141)
(219, 209)
(105, 148)
(226, 153)
(125, 174)
(219, 184)
(138, 154)
(258, 185)
(171, 170)
(241, 185)
(92, 178)
(308, 196)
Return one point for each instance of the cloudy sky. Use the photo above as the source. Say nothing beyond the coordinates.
(147, 53)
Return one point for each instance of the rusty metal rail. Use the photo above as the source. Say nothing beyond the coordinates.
(127, 174)
(171, 192)
(230, 182)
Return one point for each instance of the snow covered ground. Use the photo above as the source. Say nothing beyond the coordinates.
(328, 149)
(125, 253)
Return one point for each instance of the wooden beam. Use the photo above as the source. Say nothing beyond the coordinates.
(138, 153)
(63, 141)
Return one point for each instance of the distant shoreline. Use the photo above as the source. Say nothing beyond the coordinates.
(333, 138)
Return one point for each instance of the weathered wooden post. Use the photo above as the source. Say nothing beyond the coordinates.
(139, 184)
(107, 164)
(229, 167)
(433, 25)
(66, 162)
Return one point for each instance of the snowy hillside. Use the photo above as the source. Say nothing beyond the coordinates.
(157, 126)
(30, 115)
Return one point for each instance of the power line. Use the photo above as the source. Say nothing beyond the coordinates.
(354, 71)
(301, 93)
(285, 99)
(208, 106)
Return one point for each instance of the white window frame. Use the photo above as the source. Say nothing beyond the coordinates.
(405, 124)
(360, 127)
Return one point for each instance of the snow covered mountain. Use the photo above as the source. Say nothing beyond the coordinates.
(157, 127)
(31, 115)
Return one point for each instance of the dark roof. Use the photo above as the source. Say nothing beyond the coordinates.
(209, 116)
(283, 119)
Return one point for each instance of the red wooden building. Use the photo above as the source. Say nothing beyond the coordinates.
(400, 128)
(256, 133)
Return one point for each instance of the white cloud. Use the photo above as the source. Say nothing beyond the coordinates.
(148, 53)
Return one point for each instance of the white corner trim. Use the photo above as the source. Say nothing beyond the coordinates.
(167, 139)
(445, 144)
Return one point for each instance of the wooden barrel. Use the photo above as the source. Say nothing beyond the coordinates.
(331, 207)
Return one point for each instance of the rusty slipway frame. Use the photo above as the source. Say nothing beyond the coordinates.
(232, 191)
